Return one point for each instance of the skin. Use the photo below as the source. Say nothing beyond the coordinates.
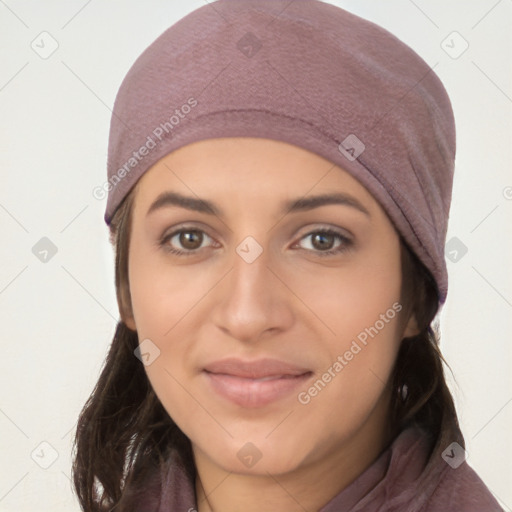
(291, 303)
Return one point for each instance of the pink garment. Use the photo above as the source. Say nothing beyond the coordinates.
(390, 484)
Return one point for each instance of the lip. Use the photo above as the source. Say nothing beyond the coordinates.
(254, 383)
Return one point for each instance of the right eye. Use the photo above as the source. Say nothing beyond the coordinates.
(185, 241)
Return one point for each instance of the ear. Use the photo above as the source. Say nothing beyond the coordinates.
(125, 307)
(129, 321)
(411, 327)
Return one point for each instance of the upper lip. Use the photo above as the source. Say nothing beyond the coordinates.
(256, 369)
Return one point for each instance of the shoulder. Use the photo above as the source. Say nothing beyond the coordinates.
(419, 479)
(463, 490)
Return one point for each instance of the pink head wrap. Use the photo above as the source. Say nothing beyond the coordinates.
(303, 72)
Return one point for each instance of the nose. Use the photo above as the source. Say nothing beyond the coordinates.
(252, 302)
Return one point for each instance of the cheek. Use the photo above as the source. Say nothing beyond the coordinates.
(162, 294)
(362, 313)
(351, 391)
(349, 299)
(166, 301)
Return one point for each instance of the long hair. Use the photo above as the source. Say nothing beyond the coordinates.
(124, 435)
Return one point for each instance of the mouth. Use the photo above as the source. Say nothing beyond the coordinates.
(254, 384)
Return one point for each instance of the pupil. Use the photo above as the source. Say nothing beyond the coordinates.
(323, 241)
(191, 239)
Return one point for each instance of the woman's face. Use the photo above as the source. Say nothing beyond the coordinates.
(265, 284)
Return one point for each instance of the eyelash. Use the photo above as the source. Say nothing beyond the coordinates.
(164, 242)
(345, 242)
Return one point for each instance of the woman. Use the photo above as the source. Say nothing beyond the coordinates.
(279, 186)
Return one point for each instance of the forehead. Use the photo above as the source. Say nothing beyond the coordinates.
(247, 167)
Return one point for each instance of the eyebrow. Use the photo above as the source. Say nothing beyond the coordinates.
(168, 199)
(308, 203)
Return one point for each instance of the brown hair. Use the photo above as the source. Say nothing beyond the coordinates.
(124, 435)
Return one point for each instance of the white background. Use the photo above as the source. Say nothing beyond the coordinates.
(57, 318)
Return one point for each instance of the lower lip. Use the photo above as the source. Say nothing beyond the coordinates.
(247, 392)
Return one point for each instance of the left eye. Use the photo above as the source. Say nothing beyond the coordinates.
(326, 242)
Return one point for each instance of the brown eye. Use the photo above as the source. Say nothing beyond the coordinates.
(323, 241)
(191, 239)
(186, 242)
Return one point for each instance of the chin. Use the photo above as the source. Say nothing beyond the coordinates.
(257, 455)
